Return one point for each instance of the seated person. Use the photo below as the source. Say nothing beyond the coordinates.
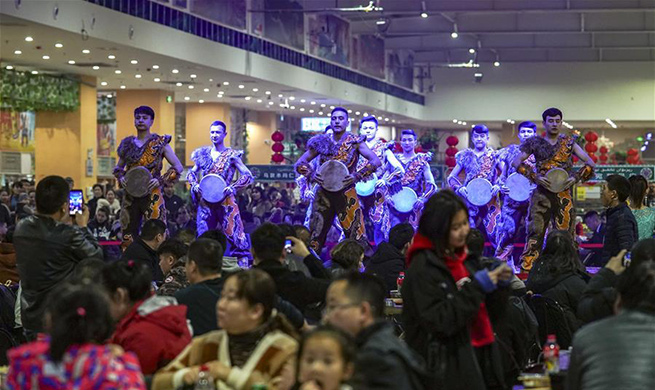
(144, 248)
(388, 261)
(346, 256)
(101, 228)
(153, 327)
(172, 262)
(255, 345)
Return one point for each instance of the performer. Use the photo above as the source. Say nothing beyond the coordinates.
(344, 147)
(547, 204)
(417, 176)
(375, 206)
(511, 228)
(479, 162)
(145, 150)
(223, 161)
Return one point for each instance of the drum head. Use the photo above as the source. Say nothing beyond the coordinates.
(212, 187)
(333, 174)
(519, 186)
(557, 178)
(479, 191)
(136, 181)
(367, 188)
(404, 200)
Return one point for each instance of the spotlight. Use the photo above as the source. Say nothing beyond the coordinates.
(104, 83)
(381, 22)
(226, 83)
(9, 67)
(424, 10)
(206, 90)
(59, 45)
(497, 64)
(138, 76)
(118, 71)
(123, 87)
(454, 35)
(46, 57)
(201, 101)
(86, 51)
(96, 67)
(111, 57)
(71, 62)
(37, 72)
(191, 87)
(178, 84)
(29, 39)
(175, 71)
(193, 76)
(472, 50)
(134, 62)
(268, 92)
(187, 98)
(18, 52)
(155, 67)
(157, 79)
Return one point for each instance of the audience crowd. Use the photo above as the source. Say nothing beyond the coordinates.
(82, 308)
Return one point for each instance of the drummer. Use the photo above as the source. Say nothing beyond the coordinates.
(346, 148)
(479, 162)
(224, 215)
(145, 150)
(417, 176)
(551, 202)
(511, 228)
(374, 206)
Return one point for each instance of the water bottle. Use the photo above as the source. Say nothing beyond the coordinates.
(205, 380)
(551, 355)
(399, 281)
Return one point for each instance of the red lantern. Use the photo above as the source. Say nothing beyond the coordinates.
(451, 162)
(591, 147)
(603, 158)
(452, 140)
(277, 158)
(593, 157)
(603, 150)
(277, 136)
(451, 151)
(591, 136)
(397, 148)
(575, 159)
(277, 147)
(632, 160)
(633, 152)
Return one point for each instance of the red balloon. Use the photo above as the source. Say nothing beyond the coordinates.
(591, 136)
(277, 158)
(591, 147)
(603, 150)
(277, 136)
(633, 152)
(450, 162)
(451, 151)
(277, 147)
(452, 140)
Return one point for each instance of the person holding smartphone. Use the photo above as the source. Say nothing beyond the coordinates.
(48, 247)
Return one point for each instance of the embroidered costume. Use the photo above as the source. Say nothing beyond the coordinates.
(545, 206)
(374, 206)
(413, 178)
(345, 203)
(149, 155)
(222, 215)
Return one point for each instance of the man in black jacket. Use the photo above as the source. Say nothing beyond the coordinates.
(48, 250)
(355, 304)
(268, 251)
(389, 258)
(144, 248)
(621, 228)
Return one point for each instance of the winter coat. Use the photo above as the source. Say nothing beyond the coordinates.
(155, 330)
(621, 231)
(387, 263)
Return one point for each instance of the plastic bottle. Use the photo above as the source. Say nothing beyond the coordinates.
(399, 281)
(551, 355)
(205, 380)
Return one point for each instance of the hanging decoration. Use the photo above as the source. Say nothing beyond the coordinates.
(591, 137)
(451, 151)
(603, 154)
(633, 156)
(277, 147)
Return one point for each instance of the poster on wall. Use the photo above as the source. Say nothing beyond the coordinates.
(229, 12)
(285, 27)
(106, 126)
(328, 37)
(368, 55)
(400, 68)
(17, 130)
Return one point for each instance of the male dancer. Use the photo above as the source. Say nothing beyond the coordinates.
(513, 216)
(146, 150)
(553, 151)
(344, 147)
(479, 162)
(417, 176)
(223, 161)
(374, 206)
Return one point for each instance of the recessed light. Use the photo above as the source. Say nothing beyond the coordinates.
(386, 119)
(268, 92)
(323, 105)
(138, 76)
(241, 86)
(226, 83)
(59, 45)
(210, 80)
(193, 76)
(191, 87)
(366, 114)
(187, 98)
(28, 39)
(280, 95)
(175, 71)
(259, 100)
(109, 96)
(35, 72)
(313, 103)
(302, 100)
(292, 98)
(201, 101)
(118, 71)
(320, 113)
(302, 109)
(220, 95)
(134, 62)
(331, 107)
(46, 57)
(270, 103)
(178, 84)
(86, 51)
(18, 52)
(96, 67)
(71, 62)
(356, 112)
(122, 87)
(111, 57)
(9, 67)
(497, 63)
(255, 89)
(472, 50)
(350, 111)
(206, 90)
(248, 98)
(103, 83)
(311, 111)
(157, 79)
(155, 67)
(282, 105)
(293, 107)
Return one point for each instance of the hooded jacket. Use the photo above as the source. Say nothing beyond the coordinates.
(387, 263)
(156, 330)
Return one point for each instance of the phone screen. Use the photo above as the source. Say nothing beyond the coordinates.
(76, 201)
(287, 245)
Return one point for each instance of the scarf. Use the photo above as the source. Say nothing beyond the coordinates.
(480, 327)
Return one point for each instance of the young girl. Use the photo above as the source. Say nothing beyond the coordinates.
(325, 360)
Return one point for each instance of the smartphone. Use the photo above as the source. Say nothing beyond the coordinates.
(627, 259)
(75, 202)
(287, 246)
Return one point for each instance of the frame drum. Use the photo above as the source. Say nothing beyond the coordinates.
(557, 178)
(366, 188)
(212, 188)
(519, 186)
(479, 191)
(136, 181)
(404, 200)
(333, 174)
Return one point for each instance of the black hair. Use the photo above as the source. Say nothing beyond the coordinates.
(643, 251)
(217, 235)
(145, 110)
(408, 132)
(552, 112)
(151, 228)
(362, 287)
(88, 271)
(174, 247)
(619, 184)
(98, 185)
(268, 242)
(437, 217)
(528, 124)
(104, 209)
(560, 255)
(400, 235)
(590, 214)
(186, 235)
(345, 341)
(133, 275)
(369, 118)
(347, 254)
(475, 242)
(79, 315)
(207, 254)
(287, 229)
(17, 184)
(339, 109)
(480, 129)
(51, 194)
(638, 188)
(219, 123)
(636, 287)
(302, 233)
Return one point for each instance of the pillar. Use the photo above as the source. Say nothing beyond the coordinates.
(198, 118)
(259, 132)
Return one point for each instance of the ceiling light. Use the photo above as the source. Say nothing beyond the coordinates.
(175, 71)
(509, 121)
(255, 89)
(302, 100)
(472, 50)
(366, 114)
(29, 39)
(350, 111)
(46, 57)
(193, 76)
(9, 67)
(155, 67)
(464, 123)
(210, 80)
(497, 63)
(311, 111)
(424, 15)
(18, 52)
(134, 62)
(386, 119)
(109, 96)
(268, 92)
(226, 83)
(280, 95)
(187, 98)
(292, 98)
(282, 105)
(201, 101)
(331, 107)
(111, 57)
(118, 71)
(323, 105)
(157, 79)
(302, 109)
(35, 72)
(220, 95)
(611, 123)
(259, 100)
(313, 103)
(381, 22)
(122, 87)
(357, 112)
(248, 98)
(424, 10)
(270, 103)
(71, 62)
(86, 51)
(96, 67)
(138, 76)
(104, 83)
(320, 113)
(241, 86)
(191, 87)
(459, 122)
(206, 90)
(293, 107)
(59, 45)
(454, 34)
(178, 84)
